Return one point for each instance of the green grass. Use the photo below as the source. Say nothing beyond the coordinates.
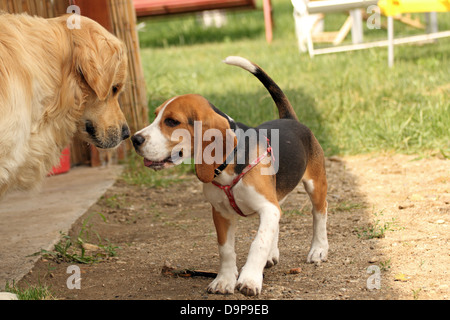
(377, 229)
(135, 173)
(73, 250)
(353, 103)
(38, 292)
(348, 206)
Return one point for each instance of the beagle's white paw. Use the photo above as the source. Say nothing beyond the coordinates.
(250, 283)
(223, 284)
(274, 258)
(318, 253)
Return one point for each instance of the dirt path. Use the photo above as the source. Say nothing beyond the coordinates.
(405, 199)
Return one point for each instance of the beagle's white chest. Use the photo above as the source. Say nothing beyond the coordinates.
(247, 199)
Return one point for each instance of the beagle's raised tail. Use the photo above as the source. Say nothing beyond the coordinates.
(285, 109)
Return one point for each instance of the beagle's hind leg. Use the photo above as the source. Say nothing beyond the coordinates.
(315, 183)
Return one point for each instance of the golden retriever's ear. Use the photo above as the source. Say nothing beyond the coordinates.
(204, 168)
(98, 57)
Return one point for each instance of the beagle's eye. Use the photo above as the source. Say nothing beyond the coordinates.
(171, 122)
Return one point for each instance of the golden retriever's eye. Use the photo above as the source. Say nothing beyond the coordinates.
(115, 89)
(171, 122)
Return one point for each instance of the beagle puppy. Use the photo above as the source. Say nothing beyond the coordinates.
(246, 171)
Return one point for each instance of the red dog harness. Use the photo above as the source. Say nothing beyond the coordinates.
(228, 189)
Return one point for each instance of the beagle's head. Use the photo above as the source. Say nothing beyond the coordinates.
(179, 131)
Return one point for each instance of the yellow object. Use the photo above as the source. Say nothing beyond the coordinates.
(395, 7)
(401, 277)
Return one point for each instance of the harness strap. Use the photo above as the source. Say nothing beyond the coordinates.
(229, 192)
(228, 188)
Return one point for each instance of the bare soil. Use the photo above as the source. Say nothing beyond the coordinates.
(390, 211)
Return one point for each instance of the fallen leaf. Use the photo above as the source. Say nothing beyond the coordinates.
(401, 277)
(373, 260)
(90, 247)
(295, 271)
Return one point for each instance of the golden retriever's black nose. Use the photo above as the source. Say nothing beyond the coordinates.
(125, 132)
(137, 140)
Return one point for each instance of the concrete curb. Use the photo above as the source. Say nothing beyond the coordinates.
(31, 222)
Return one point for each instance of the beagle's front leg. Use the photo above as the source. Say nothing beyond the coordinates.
(225, 281)
(251, 277)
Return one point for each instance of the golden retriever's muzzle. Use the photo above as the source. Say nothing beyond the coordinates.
(108, 139)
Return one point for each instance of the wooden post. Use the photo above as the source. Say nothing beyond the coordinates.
(357, 27)
(97, 10)
(390, 41)
(432, 22)
(268, 20)
(119, 17)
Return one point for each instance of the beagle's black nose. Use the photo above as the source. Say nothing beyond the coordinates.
(137, 140)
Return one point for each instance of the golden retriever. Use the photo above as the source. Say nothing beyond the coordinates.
(55, 82)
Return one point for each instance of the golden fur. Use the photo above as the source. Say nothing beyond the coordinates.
(55, 83)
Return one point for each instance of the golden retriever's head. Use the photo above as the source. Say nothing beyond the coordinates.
(100, 62)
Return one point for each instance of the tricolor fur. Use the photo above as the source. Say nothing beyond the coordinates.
(299, 158)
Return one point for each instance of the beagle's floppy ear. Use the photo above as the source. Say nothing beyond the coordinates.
(204, 168)
(98, 57)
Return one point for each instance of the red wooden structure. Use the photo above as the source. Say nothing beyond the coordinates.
(165, 7)
(145, 8)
